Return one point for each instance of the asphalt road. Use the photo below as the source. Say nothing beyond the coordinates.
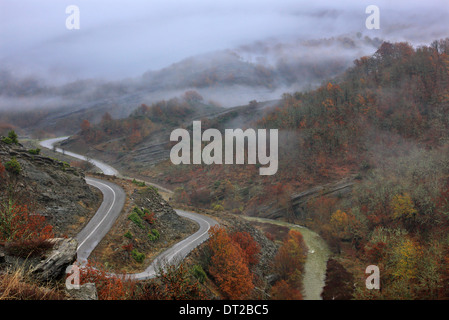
(113, 201)
(105, 168)
(181, 249)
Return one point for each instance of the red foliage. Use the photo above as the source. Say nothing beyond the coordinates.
(249, 246)
(282, 290)
(128, 247)
(375, 251)
(109, 287)
(21, 225)
(269, 236)
(228, 265)
(85, 126)
(149, 217)
(289, 262)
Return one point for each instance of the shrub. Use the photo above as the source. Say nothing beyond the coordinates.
(7, 140)
(217, 207)
(13, 166)
(138, 211)
(174, 282)
(153, 188)
(109, 287)
(198, 273)
(17, 286)
(134, 217)
(154, 235)
(11, 138)
(36, 151)
(128, 247)
(138, 256)
(139, 183)
(149, 217)
(128, 235)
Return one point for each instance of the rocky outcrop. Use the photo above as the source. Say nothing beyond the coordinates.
(56, 260)
(87, 291)
(59, 191)
(165, 215)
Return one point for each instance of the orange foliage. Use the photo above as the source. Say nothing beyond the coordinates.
(85, 126)
(282, 290)
(228, 266)
(289, 262)
(109, 287)
(249, 246)
(19, 225)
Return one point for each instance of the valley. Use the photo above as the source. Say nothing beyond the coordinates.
(221, 152)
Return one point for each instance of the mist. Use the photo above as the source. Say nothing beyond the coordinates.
(119, 39)
(231, 52)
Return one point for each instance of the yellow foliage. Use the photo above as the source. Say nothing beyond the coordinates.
(402, 207)
(340, 223)
(406, 256)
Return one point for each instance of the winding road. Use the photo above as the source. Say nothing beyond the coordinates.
(113, 202)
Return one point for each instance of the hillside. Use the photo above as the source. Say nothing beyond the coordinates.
(382, 125)
(41, 183)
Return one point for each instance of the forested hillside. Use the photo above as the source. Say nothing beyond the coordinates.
(384, 123)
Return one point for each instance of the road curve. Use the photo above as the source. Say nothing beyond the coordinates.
(105, 168)
(113, 201)
(181, 249)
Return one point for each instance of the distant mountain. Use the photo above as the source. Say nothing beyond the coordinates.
(260, 71)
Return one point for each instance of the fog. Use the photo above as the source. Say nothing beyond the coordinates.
(120, 39)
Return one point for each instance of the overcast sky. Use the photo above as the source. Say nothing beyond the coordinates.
(120, 39)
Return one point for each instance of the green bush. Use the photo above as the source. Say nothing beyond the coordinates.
(153, 188)
(34, 151)
(11, 138)
(139, 257)
(198, 272)
(7, 140)
(13, 166)
(139, 183)
(128, 235)
(134, 217)
(154, 235)
(139, 211)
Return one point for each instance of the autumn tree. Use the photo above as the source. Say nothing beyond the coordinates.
(192, 96)
(402, 207)
(228, 266)
(340, 223)
(85, 126)
(282, 290)
(249, 246)
(290, 259)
